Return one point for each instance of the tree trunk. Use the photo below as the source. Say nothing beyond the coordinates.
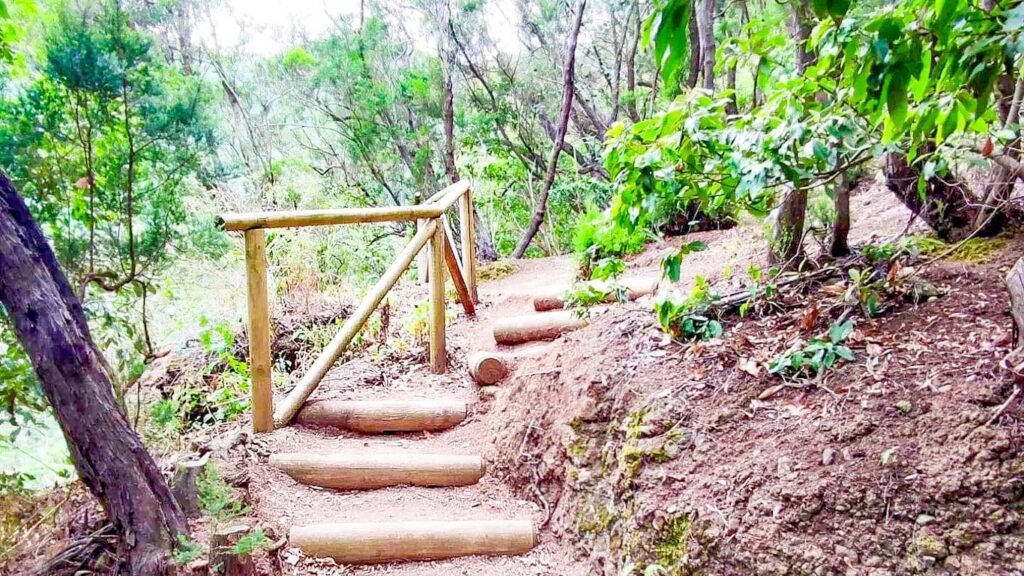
(788, 238)
(108, 455)
(484, 243)
(800, 31)
(947, 205)
(695, 61)
(1002, 180)
(706, 32)
(563, 125)
(840, 245)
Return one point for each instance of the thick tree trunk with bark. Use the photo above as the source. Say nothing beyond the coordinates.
(788, 237)
(108, 455)
(563, 125)
(947, 205)
(695, 61)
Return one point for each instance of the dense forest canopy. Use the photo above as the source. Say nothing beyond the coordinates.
(612, 122)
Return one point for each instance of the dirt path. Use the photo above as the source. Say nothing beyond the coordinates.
(282, 502)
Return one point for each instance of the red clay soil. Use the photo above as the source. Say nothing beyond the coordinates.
(907, 460)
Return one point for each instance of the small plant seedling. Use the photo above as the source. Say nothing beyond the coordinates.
(691, 318)
(216, 498)
(817, 355)
(253, 541)
(186, 551)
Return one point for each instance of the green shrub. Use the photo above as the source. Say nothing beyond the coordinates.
(596, 238)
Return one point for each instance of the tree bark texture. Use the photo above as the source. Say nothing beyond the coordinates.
(706, 32)
(800, 30)
(787, 244)
(839, 245)
(695, 61)
(563, 124)
(108, 455)
(947, 205)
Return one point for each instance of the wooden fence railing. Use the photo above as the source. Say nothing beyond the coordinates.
(432, 227)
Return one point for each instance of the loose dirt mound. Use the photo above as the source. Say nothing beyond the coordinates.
(906, 461)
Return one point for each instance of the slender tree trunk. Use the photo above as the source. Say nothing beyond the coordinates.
(567, 94)
(108, 455)
(706, 32)
(839, 245)
(800, 31)
(1001, 180)
(695, 60)
(788, 238)
(634, 44)
(484, 243)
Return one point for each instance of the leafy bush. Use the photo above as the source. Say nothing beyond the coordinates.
(815, 356)
(596, 238)
(583, 295)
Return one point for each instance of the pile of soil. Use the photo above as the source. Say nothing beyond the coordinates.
(690, 456)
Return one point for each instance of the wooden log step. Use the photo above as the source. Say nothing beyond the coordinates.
(378, 542)
(635, 288)
(366, 471)
(380, 416)
(487, 367)
(545, 326)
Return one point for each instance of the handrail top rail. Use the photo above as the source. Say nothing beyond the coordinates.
(435, 206)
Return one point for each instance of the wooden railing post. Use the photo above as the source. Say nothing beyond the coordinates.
(468, 233)
(438, 355)
(259, 331)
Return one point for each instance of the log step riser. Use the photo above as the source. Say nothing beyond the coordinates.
(371, 471)
(536, 327)
(635, 288)
(379, 417)
(373, 543)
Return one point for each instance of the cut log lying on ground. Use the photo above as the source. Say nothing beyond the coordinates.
(635, 288)
(544, 326)
(379, 416)
(365, 471)
(487, 367)
(368, 543)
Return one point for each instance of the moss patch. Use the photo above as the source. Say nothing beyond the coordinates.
(975, 250)
(496, 270)
(672, 543)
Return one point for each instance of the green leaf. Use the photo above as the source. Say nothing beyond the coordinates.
(844, 353)
(839, 332)
(671, 265)
(896, 99)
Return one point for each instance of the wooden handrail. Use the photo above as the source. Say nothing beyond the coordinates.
(287, 410)
(236, 222)
(432, 227)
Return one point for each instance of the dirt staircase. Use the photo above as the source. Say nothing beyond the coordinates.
(355, 468)
(398, 475)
